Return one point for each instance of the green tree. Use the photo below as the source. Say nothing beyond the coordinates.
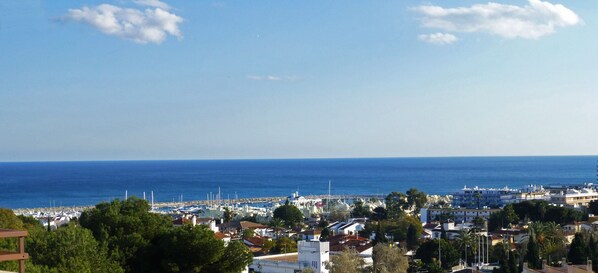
(183, 249)
(348, 261)
(227, 215)
(380, 235)
(379, 214)
(189, 249)
(428, 253)
(593, 248)
(290, 214)
(248, 233)
(578, 251)
(70, 249)
(268, 246)
(125, 228)
(336, 212)
(389, 259)
(236, 257)
(412, 237)
(479, 222)
(550, 239)
(498, 252)
(30, 223)
(503, 218)
(509, 214)
(593, 207)
(533, 252)
(286, 245)
(416, 199)
(325, 235)
(467, 244)
(396, 203)
(513, 267)
(359, 210)
(8, 220)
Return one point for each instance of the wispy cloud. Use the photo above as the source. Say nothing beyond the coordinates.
(152, 3)
(532, 21)
(152, 25)
(218, 4)
(272, 78)
(438, 38)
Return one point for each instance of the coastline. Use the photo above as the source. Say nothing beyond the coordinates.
(159, 205)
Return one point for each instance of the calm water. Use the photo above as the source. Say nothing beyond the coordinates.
(87, 183)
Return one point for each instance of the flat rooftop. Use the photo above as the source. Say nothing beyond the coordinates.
(293, 258)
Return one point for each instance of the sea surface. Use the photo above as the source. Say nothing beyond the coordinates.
(44, 184)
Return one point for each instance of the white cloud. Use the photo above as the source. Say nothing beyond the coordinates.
(148, 26)
(532, 21)
(152, 3)
(438, 38)
(272, 78)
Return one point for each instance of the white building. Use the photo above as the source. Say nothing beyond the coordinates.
(346, 228)
(497, 197)
(459, 215)
(311, 254)
(453, 231)
(575, 197)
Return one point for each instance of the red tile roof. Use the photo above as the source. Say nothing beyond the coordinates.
(340, 242)
(254, 241)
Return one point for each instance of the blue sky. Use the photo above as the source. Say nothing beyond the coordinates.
(101, 80)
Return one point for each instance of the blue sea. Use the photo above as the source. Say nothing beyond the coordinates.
(43, 184)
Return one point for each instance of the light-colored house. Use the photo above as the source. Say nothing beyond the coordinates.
(223, 236)
(310, 254)
(311, 235)
(346, 228)
(258, 229)
(452, 231)
(577, 227)
(516, 236)
(194, 221)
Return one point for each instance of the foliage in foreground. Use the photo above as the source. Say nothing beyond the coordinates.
(123, 236)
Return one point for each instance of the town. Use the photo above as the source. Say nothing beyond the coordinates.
(532, 229)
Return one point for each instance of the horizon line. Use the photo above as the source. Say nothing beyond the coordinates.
(292, 158)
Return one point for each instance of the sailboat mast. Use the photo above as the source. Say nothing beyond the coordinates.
(152, 200)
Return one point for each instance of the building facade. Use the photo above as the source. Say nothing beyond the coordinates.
(310, 254)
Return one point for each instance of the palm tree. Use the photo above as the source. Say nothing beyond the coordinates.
(276, 224)
(550, 239)
(466, 240)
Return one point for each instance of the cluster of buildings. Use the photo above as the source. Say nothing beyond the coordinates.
(475, 202)
(310, 252)
(571, 196)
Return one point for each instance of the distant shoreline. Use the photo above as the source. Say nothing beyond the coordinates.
(200, 202)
